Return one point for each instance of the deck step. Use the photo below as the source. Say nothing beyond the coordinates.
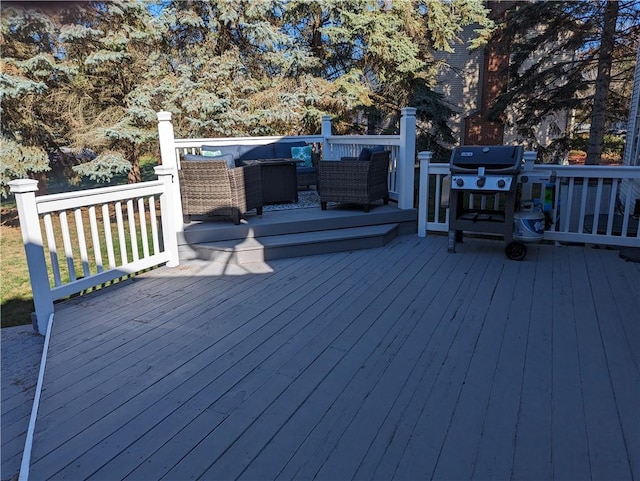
(257, 249)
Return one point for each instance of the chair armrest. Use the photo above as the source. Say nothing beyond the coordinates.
(348, 159)
(246, 185)
(245, 174)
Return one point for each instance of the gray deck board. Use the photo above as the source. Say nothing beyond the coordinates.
(193, 349)
(604, 432)
(532, 454)
(403, 362)
(21, 351)
(612, 316)
(570, 452)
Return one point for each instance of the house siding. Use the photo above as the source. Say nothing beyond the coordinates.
(632, 149)
(473, 78)
(460, 80)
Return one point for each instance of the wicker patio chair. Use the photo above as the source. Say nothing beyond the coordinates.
(210, 188)
(354, 181)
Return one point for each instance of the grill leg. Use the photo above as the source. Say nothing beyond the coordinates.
(455, 235)
(451, 246)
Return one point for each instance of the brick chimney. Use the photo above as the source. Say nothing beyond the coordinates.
(478, 130)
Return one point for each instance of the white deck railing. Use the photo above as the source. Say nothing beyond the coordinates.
(94, 255)
(584, 204)
(86, 220)
(93, 236)
(402, 147)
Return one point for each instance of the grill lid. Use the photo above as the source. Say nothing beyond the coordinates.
(494, 158)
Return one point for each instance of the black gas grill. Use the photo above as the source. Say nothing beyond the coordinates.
(483, 193)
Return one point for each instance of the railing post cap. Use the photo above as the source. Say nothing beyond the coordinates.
(20, 186)
(530, 154)
(326, 117)
(425, 155)
(164, 115)
(409, 111)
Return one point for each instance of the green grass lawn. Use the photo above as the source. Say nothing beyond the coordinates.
(15, 285)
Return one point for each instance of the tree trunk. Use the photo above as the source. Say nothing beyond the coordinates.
(134, 157)
(603, 79)
(41, 177)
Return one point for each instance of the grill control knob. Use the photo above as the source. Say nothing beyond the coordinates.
(459, 182)
(501, 183)
(481, 181)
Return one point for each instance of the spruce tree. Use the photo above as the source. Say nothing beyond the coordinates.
(110, 44)
(30, 128)
(225, 68)
(572, 57)
(380, 55)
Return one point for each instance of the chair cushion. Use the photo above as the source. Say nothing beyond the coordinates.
(305, 169)
(209, 152)
(283, 149)
(195, 157)
(302, 153)
(218, 150)
(228, 158)
(259, 152)
(365, 153)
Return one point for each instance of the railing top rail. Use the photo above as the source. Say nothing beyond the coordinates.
(100, 190)
(84, 198)
(365, 139)
(578, 171)
(602, 171)
(222, 141)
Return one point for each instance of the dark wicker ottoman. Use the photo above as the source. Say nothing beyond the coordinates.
(279, 180)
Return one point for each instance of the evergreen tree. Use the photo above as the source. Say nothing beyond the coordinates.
(109, 44)
(602, 83)
(569, 56)
(380, 55)
(69, 69)
(29, 70)
(229, 67)
(224, 68)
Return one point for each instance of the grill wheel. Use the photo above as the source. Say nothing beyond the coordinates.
(516, 251)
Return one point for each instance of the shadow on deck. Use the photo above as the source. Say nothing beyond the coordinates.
(400, 362)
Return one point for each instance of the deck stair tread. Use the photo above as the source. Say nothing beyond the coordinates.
(297, 221)
(295, 233)
(252, 249)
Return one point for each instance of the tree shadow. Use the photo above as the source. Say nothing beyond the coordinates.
(16, 312)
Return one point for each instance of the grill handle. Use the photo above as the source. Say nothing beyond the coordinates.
(508, 170)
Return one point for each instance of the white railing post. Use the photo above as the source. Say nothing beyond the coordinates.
(326, 132)
(423, 193)
(24, 190)
(407, 158)
(168, 214)
(529, 158)
(170, 161)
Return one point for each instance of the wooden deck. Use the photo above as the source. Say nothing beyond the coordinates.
(400, 362)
